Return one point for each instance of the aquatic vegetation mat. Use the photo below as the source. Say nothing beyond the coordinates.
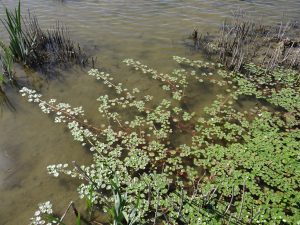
(236, 168)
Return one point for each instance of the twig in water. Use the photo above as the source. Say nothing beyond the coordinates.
(71, 204)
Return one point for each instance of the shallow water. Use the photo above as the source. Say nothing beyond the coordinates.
(151, 31)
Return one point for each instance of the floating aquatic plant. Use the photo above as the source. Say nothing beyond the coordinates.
(239, 167)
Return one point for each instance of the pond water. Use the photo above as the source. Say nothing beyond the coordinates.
(150, 31)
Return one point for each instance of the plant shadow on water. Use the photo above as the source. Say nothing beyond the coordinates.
(5, 102)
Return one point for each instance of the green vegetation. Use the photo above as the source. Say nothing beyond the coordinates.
(157, 162)
(41, 50)
(236, 167)
(13, 25)
(44, 51)
(7, 63)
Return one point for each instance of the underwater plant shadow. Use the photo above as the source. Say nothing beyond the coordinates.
(5, 103)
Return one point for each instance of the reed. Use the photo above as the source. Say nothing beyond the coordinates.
(13, 25)
(242, 40)
(36, 48)
(52, 47)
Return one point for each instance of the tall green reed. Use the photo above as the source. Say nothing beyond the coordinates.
(13, 25)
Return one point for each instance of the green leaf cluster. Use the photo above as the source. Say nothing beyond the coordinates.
(237, 167)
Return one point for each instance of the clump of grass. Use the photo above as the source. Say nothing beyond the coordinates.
(39, 49)
(52, 47)
(242, 40)
(45, 51)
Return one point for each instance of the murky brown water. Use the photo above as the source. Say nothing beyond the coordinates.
(151, 31)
